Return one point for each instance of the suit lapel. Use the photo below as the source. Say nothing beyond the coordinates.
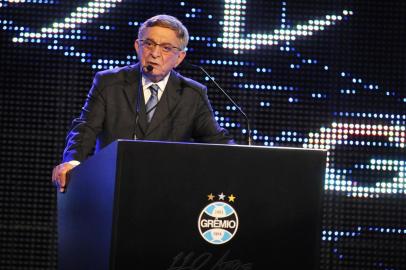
(167, 103)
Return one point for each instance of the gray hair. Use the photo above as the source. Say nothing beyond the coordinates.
(170, 22)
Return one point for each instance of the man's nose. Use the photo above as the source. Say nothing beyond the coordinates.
(156, 51)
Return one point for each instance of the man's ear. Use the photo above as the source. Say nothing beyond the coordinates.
(181, 56)
(136, 46)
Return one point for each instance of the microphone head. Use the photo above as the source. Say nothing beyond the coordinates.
(148, 68)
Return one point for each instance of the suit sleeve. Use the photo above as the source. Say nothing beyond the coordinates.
(80, 141)
(207, 130)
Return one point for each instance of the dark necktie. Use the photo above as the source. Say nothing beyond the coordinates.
(152, 101)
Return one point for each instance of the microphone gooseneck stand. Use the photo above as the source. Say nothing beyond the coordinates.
(249, 139)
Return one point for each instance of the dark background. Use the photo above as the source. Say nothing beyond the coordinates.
(345, 83)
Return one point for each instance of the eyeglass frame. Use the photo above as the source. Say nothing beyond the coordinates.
(161, 46)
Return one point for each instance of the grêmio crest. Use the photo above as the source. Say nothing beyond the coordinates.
(218, 221)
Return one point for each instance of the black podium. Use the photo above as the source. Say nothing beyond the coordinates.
(157, 205)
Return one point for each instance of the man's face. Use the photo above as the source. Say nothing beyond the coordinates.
(163, 61)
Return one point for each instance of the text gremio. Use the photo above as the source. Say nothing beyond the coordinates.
(217, 223)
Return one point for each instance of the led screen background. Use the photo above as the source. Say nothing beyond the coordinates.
(313, 74)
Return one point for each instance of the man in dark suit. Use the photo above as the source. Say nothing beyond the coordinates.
(148, 101)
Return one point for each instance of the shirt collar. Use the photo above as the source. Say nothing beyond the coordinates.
(162, 83)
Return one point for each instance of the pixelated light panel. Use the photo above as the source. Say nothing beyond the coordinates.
(313, 74)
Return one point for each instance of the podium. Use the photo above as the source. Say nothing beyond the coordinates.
(162, 205)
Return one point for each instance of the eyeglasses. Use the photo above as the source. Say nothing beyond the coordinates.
(165, 47)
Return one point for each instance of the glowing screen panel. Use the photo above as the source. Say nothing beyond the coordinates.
(312, 74)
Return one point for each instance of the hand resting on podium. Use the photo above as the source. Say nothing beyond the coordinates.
(60, 175)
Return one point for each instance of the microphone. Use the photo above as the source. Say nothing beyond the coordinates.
(138, 106)
(148, 68)
(249, 140)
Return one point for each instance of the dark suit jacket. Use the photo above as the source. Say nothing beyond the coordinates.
(110, 113)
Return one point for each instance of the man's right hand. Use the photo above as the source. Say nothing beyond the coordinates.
(59, 175)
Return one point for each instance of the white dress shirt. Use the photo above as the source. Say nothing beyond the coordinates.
(146, 83)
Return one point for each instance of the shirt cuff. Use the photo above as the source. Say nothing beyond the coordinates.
(74, 162)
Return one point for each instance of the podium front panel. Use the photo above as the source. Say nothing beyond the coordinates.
(164, 187)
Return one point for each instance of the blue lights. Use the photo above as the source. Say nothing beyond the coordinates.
(233, 28)
(107, 27)
(340, 134)
(5, 3)
(319, 95)
(263, 70)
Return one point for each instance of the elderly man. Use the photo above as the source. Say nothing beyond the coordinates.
(147, 101)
